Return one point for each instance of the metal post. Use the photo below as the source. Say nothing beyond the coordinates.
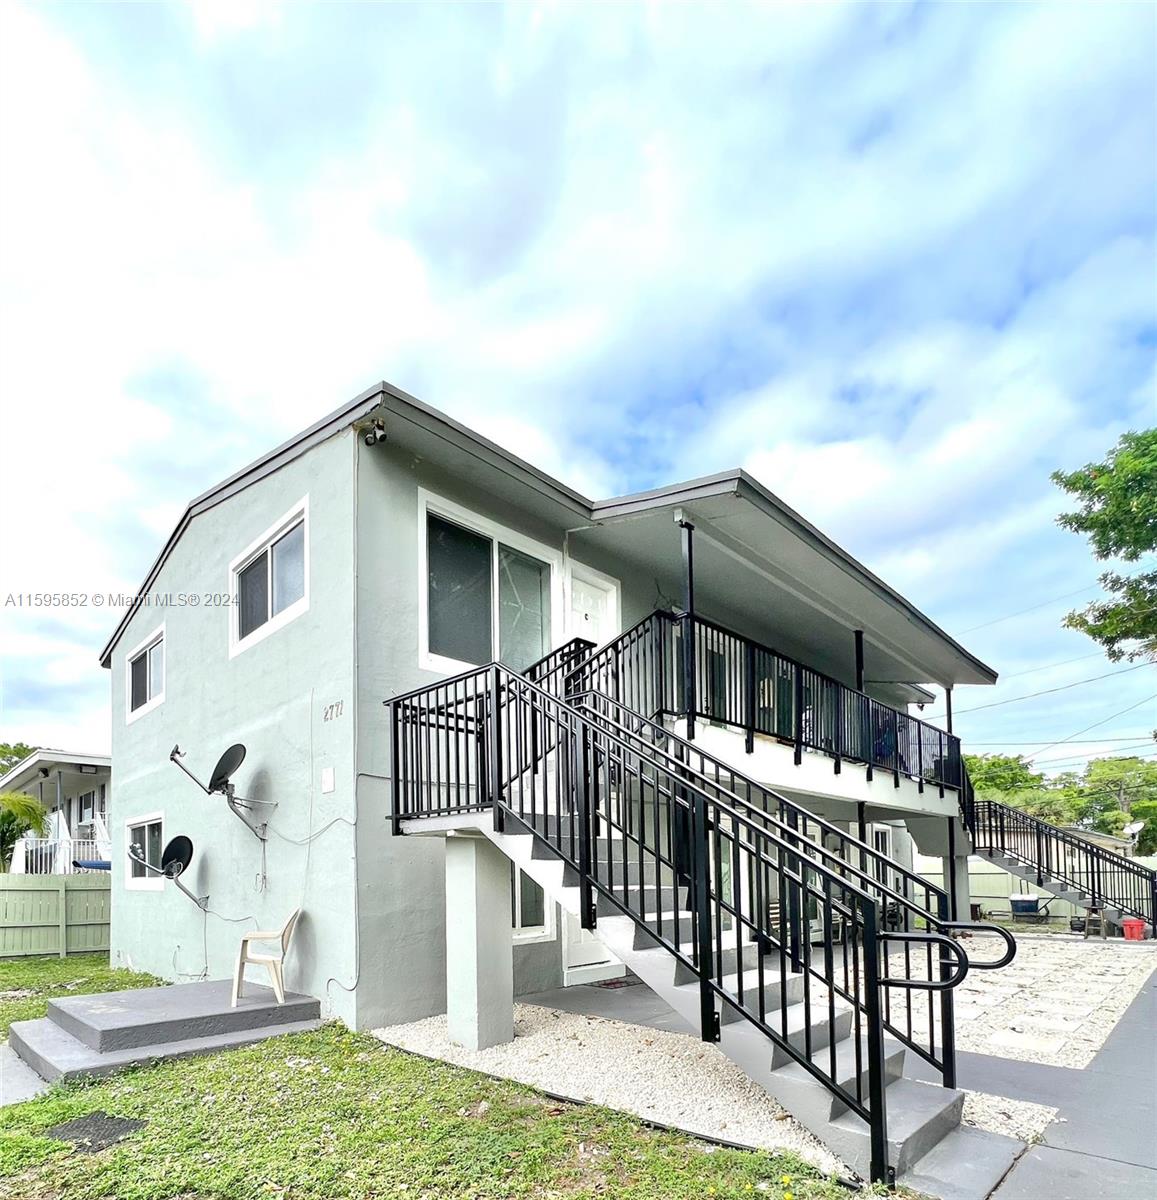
(494, 755)
(395, 775)
(587, 916)
(689, 626)
(862, 831)
(709, 1022)
(952, 874)
(859, 660)
(947, 1017)
(749, 696)
(877, 1113)
(798, 698)
(796, 909)
(948, 706)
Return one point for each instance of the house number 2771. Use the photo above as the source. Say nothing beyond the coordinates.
(331, 712)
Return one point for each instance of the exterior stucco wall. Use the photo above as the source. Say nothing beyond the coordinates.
(273, 696)
(401, 901)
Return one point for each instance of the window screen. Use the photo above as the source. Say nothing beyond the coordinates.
(459, 592)
(253, 590)
(523, 608)
(139, 668)
(289, 568)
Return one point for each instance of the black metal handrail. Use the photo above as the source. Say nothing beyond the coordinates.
(553, 667)
(909, 903)
(747, 685)
(1108, 879)
(619, 814)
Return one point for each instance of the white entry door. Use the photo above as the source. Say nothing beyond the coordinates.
(593, 614)
(594, 605)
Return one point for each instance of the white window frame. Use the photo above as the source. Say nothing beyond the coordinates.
(430, 503)
(147, 882)
(143, 647)
(299, 513)
(529, 935)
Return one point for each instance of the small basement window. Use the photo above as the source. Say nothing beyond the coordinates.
(146, 834)
(531, 914)
(270, 580)
(145, 685)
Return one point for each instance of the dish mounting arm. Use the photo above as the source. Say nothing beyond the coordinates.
(249, 811)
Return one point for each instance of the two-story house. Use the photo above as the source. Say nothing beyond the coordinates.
(715, 658)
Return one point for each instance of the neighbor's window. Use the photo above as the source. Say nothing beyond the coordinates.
(269, 580)
(146, 684)
(485, 600)
(144, 837)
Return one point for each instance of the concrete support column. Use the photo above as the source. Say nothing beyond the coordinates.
(479, 944)
(956, 873)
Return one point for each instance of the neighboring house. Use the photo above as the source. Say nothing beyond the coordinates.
(73, 790)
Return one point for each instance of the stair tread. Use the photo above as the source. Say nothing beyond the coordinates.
(911, 1104)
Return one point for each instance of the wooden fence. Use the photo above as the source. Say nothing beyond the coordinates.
(54, 914)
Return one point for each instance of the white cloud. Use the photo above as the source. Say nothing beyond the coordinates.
(895, 261)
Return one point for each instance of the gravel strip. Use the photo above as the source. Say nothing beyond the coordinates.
(1014, 1118)
(669, 1078)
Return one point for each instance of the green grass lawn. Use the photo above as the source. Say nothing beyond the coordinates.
(331, 1115)
(27, 984)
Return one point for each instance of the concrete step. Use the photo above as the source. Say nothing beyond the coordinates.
(792, 1078)
(919, 1116)
(54, 1054)
(149, 1016)
(966, 1164)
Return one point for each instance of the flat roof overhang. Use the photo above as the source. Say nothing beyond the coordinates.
(762, 567)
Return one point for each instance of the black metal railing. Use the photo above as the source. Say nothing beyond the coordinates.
(1108, 879)
(643, 832)
(738, 682)
(552, 668)
(908, 902)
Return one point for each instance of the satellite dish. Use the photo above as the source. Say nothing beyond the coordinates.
(177, 855)
(226, 768)
(1133, 827)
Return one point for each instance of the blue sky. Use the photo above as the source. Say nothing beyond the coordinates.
(896, 260)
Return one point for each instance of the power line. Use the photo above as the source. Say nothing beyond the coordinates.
(1064, 687)
(1040, 742)
(1043, 604)
(1088, 757)
(1096, 724)
(1048, 666)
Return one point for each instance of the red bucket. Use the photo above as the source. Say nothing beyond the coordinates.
(1134, 929)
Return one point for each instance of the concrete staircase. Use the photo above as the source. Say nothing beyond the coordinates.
(927, 1144)
(1055, 887)
(88, 1036)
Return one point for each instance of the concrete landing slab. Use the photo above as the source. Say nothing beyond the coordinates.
(966, 1165)
(110, 1021)
(1046, 1172)
(18, 1081)
(55, 1054)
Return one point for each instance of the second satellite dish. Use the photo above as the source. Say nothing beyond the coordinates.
(226, 768)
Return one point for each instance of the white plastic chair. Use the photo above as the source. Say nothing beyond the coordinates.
(274, 962)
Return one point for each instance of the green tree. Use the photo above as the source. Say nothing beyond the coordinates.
(1118, 512)
(11, 753)
(1146, 810)
(19, 814)
(1001, 773)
